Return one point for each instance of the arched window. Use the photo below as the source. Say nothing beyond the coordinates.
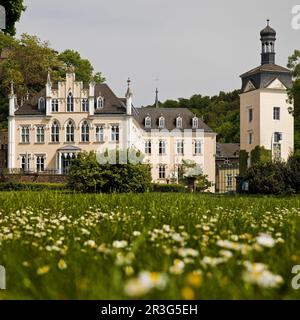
(85, 105)
(195, 123)
(161, 122)
(85, 132)
(179, 123)
(70, 129)
(148, 122)
(42, 103)
(100, 103)
(70, 103)
(55, 132)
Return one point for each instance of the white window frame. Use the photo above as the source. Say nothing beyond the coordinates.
(40, 163)
(148, 122)
(99, 133)
(40, 134)
(85, 132)
(70, 102)
(162, 147)
(85, 105)
(162, 171)
(179, 123)
(180, 147)
(198, 147)
(276, 113)
(42, 103)
(100, 102)
(195, 123)
(55, 132)
(25, 134)
(229, 180)
(54, 105)
(115, 133)
(148, 147)
(70, 132)
(161, 122)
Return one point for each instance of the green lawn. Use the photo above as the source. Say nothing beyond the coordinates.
(157, 246)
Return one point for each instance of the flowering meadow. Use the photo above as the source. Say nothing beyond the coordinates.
(56, 245)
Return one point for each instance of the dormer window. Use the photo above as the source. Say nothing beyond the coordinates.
(148, 122)
(42, 104)
(70, 103)
(161, 122)
(100, 103)
(195, 123)
(179, 123)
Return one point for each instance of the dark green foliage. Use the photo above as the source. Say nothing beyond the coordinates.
(14, 10)
(179, 188)
(221, 113)
(18, 186)
(260, 154)
(269, 178)
(87, 175)
(294, 169)
(243, 158)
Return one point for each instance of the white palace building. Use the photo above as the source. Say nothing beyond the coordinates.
(48, 130)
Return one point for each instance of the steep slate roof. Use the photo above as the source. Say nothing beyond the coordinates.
(112, 104)
(170, 115)
(228, 150)
(266, 68)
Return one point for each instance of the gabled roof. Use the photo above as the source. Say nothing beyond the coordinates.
(228, 150)
(69, 148)
(170, 115)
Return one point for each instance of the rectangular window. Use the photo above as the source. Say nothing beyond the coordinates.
(40, 163)
(180, 147)
(276, 113)
(162, 172)
(277, 137)
(25, 134)
(162, 147)
(148, 147)
(40, 134)
(85, 105)
(250, 137)
(115, 133)
(99, 133)
(198, 147)
(250, 115)
(229, 180)
(54, 105)
(25, 163)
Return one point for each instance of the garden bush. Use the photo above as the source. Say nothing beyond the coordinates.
(87, 175)
(169, 188)
(19, 186)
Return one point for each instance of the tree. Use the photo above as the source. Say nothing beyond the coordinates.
(83, 67)
(294, 93)
(88, 175)
(192, 175)
(14, 10)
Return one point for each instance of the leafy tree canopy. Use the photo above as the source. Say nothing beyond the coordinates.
(14, 10)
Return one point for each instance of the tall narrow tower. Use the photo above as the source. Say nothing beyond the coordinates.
(266, 119)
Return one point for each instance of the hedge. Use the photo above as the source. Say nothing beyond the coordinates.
(19, 186)
(169, 188)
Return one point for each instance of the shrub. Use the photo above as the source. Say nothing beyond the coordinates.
(269, 178)
(294, 170)
(179, 188)
(19, 186)
(87, 175)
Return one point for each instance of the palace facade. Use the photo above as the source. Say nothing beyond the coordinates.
(50, 129)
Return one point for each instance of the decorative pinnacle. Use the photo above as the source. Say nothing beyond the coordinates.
(48, 78)
(12, 88)
(268, 22)
(129, 92)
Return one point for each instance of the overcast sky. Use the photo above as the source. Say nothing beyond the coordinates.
(192, 46)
